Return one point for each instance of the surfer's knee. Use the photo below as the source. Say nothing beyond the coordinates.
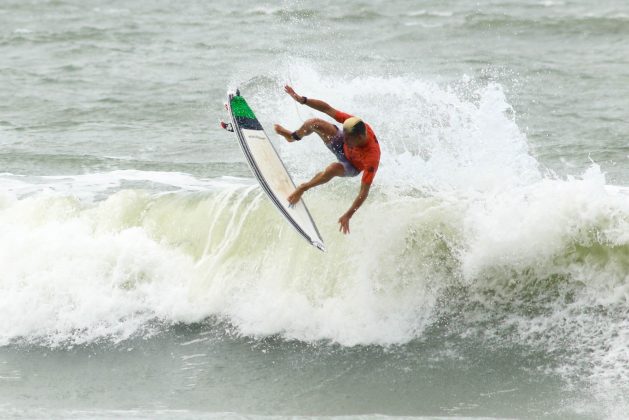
(321, 127)
(313, 122)
(334, 169)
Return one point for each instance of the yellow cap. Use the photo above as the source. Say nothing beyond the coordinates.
(350, 124)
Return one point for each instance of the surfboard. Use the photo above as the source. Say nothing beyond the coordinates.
(268, 168)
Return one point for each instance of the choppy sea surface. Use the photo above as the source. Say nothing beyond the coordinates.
(144, 274)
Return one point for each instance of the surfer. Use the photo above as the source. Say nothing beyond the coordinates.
(355, 147)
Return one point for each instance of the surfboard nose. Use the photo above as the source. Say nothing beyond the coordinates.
(319, 245)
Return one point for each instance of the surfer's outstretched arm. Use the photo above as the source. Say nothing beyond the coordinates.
(317, 104)
(360, 199)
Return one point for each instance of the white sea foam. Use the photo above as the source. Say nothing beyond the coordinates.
(462, 136)
(434, 13)
(91, 185)
(93, 270)
(458, 201)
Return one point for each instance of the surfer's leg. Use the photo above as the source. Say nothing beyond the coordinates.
(334, 169)
(324, 129)
(284, 133)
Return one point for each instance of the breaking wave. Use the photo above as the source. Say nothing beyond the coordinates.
(461, 222)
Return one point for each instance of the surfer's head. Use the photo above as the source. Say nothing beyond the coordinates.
(354, 130)
(354, 126)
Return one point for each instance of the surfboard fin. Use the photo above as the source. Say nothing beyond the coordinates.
(227, 126)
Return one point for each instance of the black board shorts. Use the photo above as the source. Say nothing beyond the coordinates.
(336, 146)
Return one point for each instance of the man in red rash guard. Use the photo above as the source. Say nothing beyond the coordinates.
(355, 147)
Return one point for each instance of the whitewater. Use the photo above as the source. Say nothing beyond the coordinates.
(146, 274)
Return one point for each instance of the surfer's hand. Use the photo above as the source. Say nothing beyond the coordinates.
(292, 93)
(344, 222)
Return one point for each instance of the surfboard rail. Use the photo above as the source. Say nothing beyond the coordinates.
(268, 168)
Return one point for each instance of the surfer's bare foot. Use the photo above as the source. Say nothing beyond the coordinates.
(284, 133)
(296, 195)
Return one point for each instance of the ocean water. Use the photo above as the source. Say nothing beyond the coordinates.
(144, 274)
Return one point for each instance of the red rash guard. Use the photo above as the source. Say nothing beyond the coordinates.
(364, 158)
